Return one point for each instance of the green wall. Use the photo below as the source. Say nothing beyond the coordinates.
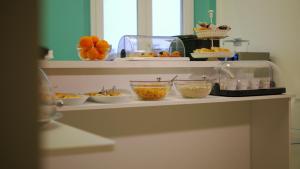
(201, 7)
(64, 21)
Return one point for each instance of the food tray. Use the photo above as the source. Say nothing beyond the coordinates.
(243, 93)
(212, 55)
(211, 34)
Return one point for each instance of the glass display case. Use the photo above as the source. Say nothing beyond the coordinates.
(247, 78)
(137, 46)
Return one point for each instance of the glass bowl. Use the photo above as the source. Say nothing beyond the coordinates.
(193, 88)
(92, 54)
(151, 90)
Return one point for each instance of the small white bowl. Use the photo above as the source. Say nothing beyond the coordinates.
(110, 99)
(75, 101)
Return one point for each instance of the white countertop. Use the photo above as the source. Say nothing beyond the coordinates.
(58, 137)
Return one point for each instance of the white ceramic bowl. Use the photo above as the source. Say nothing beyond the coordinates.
(75, 101)
(111, 99)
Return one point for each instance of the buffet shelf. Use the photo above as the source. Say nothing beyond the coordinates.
(134, 64)
(57, 137)
(126, 64)
(167, 102)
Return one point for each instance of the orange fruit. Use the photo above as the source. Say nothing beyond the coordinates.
(164, 54)
(83, 53)
(95, 39)
(93, 54)
(102, 46)
(102, 55)
(176, 54)
(86, 42)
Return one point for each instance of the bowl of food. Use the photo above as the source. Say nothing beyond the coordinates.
(151, 90)
(71, 98)
(92, 48)
(193, 88)
(112, 95)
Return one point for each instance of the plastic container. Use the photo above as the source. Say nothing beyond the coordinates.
(248, 78)
(150, 47)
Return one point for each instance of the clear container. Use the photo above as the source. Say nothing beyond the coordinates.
(193, 88)
(150, 46)
(248, 75)
(151, 90)
(48, 103)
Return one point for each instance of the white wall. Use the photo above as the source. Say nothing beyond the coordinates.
(270, 25)
(274, 26)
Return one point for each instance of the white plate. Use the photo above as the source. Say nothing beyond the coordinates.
(75, 101)
(110, 99)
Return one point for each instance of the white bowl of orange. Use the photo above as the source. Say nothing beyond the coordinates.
(93, 48)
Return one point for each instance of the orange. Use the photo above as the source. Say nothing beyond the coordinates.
(83, 53)
(102, 46)
(164, 54)
(95, 39)
(176, 54)
(86, 42)
(93, 54)
(101, 55)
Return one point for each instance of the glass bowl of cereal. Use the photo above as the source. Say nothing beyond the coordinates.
(151, 90)
(193, 88)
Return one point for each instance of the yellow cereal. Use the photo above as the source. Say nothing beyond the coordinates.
(151, 93)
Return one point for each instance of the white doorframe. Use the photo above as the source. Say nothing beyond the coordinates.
(144, 17)
(187, 17)
(96, 9)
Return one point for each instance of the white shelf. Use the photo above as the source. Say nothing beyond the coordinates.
(168, 102)
(57, 137)
(141, 64)
(126, 64)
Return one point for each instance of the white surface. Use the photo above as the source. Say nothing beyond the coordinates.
(218, 136)
(273, 27)
(58, 137)
(153, 59)
(120, 64)
(125, 64)
(168, 102)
